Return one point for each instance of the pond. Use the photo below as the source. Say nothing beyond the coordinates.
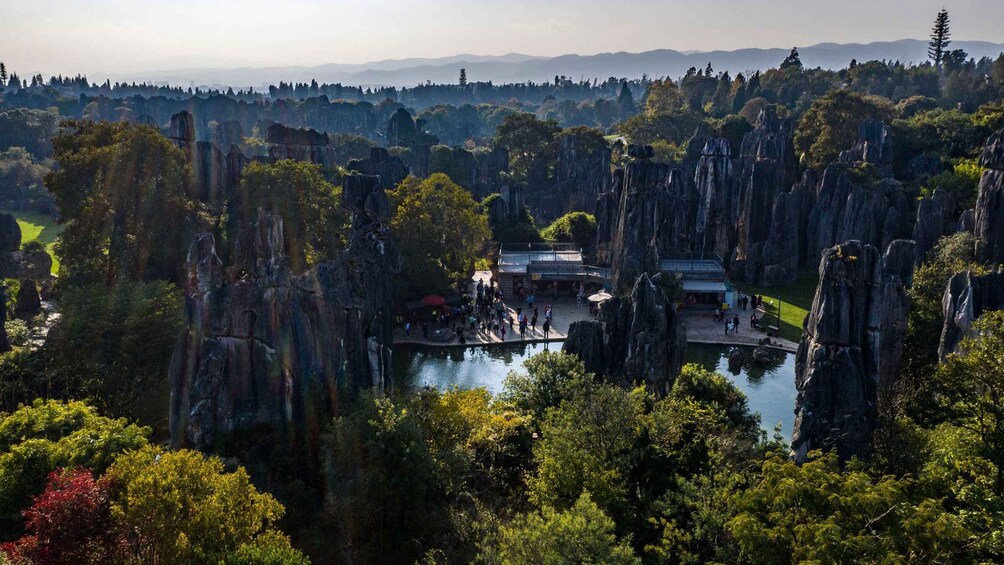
(770, 390)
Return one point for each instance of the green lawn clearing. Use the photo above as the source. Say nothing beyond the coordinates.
(796, 301)
(35, 226)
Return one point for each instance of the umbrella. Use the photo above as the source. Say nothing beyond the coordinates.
(434, 300)
(599, 297)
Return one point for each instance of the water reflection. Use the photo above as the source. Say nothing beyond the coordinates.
(770, 388)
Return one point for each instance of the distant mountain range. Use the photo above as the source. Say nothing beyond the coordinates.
(516, 67)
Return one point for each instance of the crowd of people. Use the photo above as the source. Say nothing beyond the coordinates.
(730, 319)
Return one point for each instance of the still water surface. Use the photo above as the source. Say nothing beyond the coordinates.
(770, 390)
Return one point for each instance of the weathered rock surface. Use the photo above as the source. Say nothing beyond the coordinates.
(767, 169)
(989, 216)
(638, 340)
(655, 220)
(784, 250)
(265, 350)
(859, 199)
(182, 127)
(718, 204)
(934, 219)
(852, 346)
(390, 170)
(874, 145)
(10, 234)
(27, 304)
(967, 221)
(306, 145)
(966, 298)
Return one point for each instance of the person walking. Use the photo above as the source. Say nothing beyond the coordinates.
(546, 327)
(530, 299)
(727, 323)
(503, 332)
(407, 329)
(735, 324)
(533, 321)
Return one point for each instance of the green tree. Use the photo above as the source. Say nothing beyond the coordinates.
(181, 506)
(817, 513)
(940, 38)
(581, 534)
(385, 497)
(970, 390)
(527, 139)
(120, 189)
(38, 439)
(792, 61)
(314, 223)
(574, 227)
(831, 125)
(440, 231)
(118, 341)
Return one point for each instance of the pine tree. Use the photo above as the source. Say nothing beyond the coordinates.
(792, 60)
(940, 35)
(463, 77)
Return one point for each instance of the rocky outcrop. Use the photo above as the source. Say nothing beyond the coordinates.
(718, 203)
(767, 169)
(874, 145)
(607, 213)
(10, 234)
(306, 145)
(859, 199)
(638, 339)
(852, 346)
(655, 220)
(966, 298)
(989, 219)
(390, 170)
(27, 304)
(182, 128)
(268, 351)
(967, 221)
(934, 219)
(784, 250)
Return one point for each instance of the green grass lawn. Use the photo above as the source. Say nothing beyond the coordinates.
(796, 301)
(35, 226)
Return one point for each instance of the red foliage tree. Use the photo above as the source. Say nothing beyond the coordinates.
(68, 523)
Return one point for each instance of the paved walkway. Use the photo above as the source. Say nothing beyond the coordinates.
(701, 327)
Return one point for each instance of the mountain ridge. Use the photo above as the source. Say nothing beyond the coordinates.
(518, 67)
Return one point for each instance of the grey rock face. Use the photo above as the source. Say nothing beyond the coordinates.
(967, 296)
(718, 204)
(858, 199)
(785, 247)
(182, 127)
(767, 169)
(638, 339)
(874, 145)
(967, 221)
(10, 234)
(578, 178)
(852, 346)
(655, 219)
(933, 221)
(28, 304)
(265, 350)
(989, 217)
(390, 170)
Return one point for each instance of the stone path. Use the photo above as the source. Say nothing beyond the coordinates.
(702, 328)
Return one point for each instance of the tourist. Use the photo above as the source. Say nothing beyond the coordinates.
(727, 323)
(503, 332)
(425, 330)
(533, 321)
(407, 329)
(753, 321)
(546, 327)
(530, 299)
(547, 312)
(735, 324)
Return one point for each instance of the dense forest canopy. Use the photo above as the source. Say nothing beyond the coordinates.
(302, 198)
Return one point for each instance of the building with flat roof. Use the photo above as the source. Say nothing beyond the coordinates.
(560, 268)
(542, 266)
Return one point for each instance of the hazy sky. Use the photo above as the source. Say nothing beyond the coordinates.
(118, 36)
